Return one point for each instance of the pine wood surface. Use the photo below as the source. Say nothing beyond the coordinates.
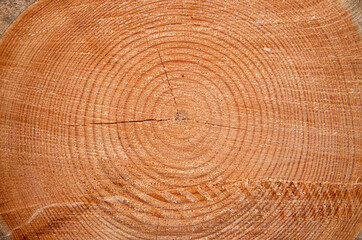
(186, 119)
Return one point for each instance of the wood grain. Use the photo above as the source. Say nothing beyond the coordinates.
(183, 119)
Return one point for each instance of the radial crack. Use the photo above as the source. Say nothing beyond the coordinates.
(133, 121)
(120, 122)
(168, 80)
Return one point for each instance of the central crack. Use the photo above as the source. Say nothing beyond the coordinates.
(167, 79)
(180, 116)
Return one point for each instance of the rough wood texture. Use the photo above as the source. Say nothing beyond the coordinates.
(10, 10)
(355, 9)
(181, 120)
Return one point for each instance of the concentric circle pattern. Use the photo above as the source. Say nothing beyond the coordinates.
(189, 119)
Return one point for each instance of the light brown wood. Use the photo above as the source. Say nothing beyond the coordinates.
(181, 120)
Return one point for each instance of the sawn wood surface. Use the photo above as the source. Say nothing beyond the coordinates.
(160, 119)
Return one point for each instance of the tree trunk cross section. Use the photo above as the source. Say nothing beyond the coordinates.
(187, 119)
